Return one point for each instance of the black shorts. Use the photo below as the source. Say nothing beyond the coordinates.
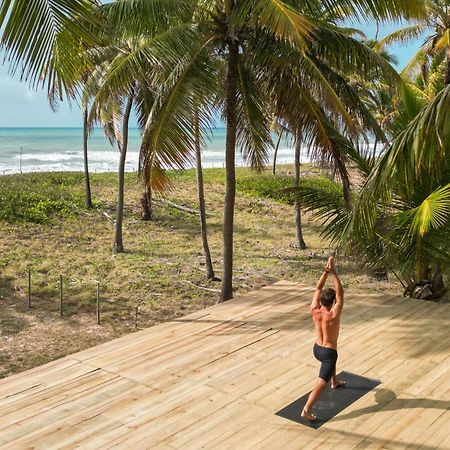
(328, 357)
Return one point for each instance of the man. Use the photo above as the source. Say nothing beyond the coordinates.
(326, 309)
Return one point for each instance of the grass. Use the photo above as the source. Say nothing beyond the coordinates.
(162, 270)
(35, 197)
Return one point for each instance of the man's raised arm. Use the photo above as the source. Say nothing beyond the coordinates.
(337, 308)
(315, 304)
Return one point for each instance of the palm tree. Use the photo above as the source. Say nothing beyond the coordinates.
(111, 114)
(401, 219)
(203, 36)
(298, 211)
(86, 98)
(113, 99)
(411, 182)
(279, 130)
(434, 29)
(123, 146)
(55, 95)
(210, 275)
(275, 152)
(87, 182)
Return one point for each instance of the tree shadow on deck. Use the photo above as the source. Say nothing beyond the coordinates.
(374, 442)
(417, 331)
(387, 400)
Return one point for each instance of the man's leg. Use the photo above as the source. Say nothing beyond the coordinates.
(334, 381)
(313, 397)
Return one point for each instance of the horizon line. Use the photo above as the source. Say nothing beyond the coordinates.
(72, 127)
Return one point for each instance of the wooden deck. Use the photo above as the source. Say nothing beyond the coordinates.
(215, 379)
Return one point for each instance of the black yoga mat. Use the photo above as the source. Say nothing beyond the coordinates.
(332, 401)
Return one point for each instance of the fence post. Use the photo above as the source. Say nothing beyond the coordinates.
(136, 311)
(98, 302)
(29, 288)
(61, 295)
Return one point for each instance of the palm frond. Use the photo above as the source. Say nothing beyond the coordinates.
(363, 120)
(419, 151)
(109, 116)
(30, 31)
(192, 83)
(253, 130)
(383, 10)
(144, 101)
(350, 55)
(147, 17)
(274, 16)
(411, 102)
(443, 41)
(327, 206)
(433, 212)
(402, 36)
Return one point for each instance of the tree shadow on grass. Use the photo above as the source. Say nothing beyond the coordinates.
(12, 319)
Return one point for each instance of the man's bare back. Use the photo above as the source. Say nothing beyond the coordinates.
(327, 325)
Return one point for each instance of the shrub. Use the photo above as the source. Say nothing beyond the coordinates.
(35, 197)
(270, 186)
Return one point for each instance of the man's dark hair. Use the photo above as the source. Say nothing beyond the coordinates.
(327, 297)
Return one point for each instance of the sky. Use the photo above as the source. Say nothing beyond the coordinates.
(22, 107)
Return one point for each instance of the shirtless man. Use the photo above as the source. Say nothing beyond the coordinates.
(326, 309)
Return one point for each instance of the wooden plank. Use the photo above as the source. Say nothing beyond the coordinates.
(437, 435)
(20, 382)
(205, 429)
(52, 396)
(20, 429)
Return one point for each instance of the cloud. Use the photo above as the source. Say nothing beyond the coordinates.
(22, 107)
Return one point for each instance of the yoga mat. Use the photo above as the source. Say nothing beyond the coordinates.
(332, 401)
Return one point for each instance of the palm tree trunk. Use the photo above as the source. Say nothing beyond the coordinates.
(276, 152)
(298, 212)
(201, 200)
(447, 68)
(85, 155)
(374, 153)
(146, 204)
(118, 242)
(230, 190)
(424, 73)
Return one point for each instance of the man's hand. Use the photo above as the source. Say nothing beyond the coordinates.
(330, 265)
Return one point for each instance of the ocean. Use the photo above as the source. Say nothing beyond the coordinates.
(61, 149)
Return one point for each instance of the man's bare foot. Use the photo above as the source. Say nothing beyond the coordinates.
(307, 415)
(338, 384)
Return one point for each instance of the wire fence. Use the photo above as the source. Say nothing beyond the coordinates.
(33, 296)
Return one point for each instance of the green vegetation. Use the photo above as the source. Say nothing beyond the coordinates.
(36, 198)
(279, 187)
(40, 197)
